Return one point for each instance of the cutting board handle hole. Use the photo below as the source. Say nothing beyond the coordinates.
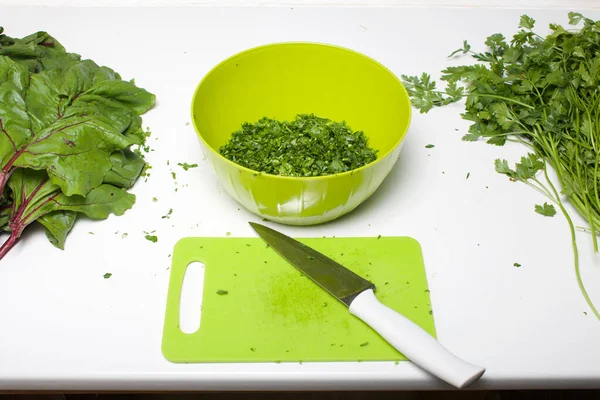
(190, 306)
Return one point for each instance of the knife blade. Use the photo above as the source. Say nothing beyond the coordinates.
(358, 294)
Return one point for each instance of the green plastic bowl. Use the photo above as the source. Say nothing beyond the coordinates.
(285, 79)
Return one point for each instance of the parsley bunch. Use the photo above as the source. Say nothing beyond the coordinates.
(307, 146)
(542, 92)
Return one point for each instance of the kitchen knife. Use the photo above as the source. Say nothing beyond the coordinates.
(358, 294)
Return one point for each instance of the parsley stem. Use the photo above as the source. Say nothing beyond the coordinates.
(596, 192)
(589, 123)
(489, 95)
(574, 244)
(587, 206)
(579, 143)
(514, 133)
(506, 99)
(539, 95)
(542, 189)
(519, 139)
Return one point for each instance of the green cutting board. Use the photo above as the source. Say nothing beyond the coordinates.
(272, 313)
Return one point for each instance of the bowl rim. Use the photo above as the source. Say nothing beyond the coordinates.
(296, 178)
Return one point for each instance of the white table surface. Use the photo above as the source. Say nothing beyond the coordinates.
(64, 327)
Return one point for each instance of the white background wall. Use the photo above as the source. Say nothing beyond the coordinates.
(563, 4)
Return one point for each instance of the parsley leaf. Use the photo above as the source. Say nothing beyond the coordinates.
(424, 94)
(465, 49)
(546, 209)
(503, 168)
(471, 137)
(526, 22)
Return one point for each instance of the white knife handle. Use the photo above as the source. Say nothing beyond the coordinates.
(414, 342)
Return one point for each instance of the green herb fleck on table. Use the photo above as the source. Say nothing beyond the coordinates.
(152, 238)
(173, 175)
(145, 168)
(429, 146)
(546, 210)
(154, 199)
(516, 265)
(227, 233)
(124, 235)
(468, 175)
(107, 275)
(91, 233)
(168, 215)
(542, 92)
(187, 166)
(222, 292)
(306, 146)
